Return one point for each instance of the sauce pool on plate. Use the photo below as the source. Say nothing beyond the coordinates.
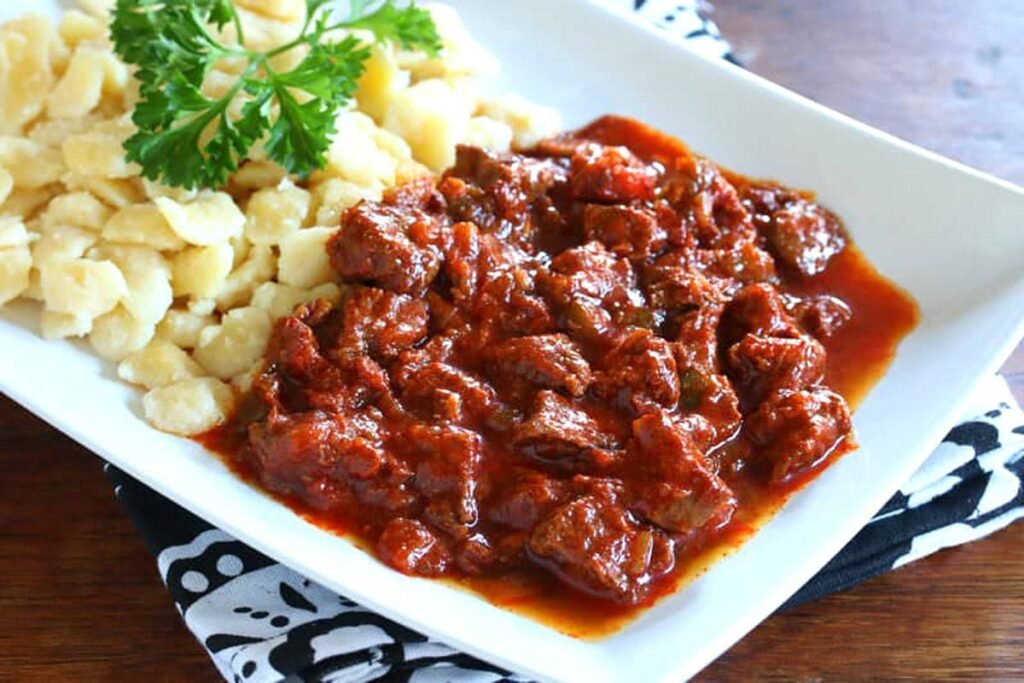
(568, 379)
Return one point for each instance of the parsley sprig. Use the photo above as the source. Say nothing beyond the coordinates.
(174, 46)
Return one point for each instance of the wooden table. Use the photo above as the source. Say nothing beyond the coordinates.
(80, 598)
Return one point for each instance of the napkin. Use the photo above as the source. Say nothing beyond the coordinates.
(262, 622)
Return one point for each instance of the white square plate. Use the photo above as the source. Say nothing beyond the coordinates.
(951, 236)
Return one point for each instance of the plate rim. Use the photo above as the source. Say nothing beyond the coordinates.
(600, 656)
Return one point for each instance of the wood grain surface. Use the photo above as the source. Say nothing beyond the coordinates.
(80, 598)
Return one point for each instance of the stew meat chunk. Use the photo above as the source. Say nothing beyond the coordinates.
(796, 429)
(544, 362)
(551, 360)
(596, 545)
(562, 435)
(376, 247)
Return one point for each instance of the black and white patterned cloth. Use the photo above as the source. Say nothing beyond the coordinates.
(262, 622)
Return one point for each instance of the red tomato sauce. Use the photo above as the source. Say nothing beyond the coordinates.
(569, 378)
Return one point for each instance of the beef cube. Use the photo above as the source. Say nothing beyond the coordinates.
(511, 180)
(802, 234)
(611, 174)
(299, 377)
(805, 236)
(711, 397)
(743, 263)
(523, 501)
(677, 289)
(320, 457)
(552, 361)
(439, 348)
(351, 382)
(591, 275)
(561, 435)
(822, 315)
(449, 459)
(294, 346)
(683, 494)
(382, 323)
(757, 309)
(596, 292)
(798, 429)
(700, 430)
(705, 502)
(590, 271)
(293, 450)
(419, 193)
(697, 339)
(390, 491)
(439, 390)
(764, 365)
(593, 544)
(373, 245)
(495, 190)
(475, 555)
(448, 473)
(412, 548)
(508, 297)
(764, 200)
(640, 373)
(503, 287)
(625, 230)
(720, 219)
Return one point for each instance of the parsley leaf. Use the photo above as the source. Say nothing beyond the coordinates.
(411, 27)
(186, 139)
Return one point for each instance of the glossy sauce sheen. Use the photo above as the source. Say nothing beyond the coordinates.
(569, 380)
